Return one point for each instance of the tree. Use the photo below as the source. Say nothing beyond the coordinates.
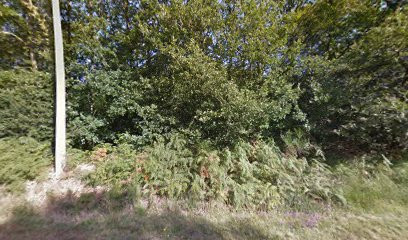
(24, 34)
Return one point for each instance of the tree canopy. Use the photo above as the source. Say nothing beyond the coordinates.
(217, 71)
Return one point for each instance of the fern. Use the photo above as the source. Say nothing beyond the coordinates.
(249, 175)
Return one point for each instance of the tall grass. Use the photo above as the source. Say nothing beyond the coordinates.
(375, 187)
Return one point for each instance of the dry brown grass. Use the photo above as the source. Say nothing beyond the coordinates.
(118, 215)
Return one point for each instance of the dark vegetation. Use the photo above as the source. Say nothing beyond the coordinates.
(256, 104)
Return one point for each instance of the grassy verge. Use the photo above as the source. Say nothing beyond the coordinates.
(375, 196)
(100, 217)
(121, 214)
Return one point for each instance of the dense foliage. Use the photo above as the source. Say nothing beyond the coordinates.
(213, 99)
(226, 71)
(254, 176)
(22, 159)
(26, 104)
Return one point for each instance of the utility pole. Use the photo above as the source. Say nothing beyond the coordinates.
(60, 122)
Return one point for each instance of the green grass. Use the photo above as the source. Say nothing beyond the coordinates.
(378, 189)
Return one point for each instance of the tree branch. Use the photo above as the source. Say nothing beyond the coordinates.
(12, 34)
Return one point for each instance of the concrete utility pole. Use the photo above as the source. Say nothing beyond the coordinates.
(60, 124)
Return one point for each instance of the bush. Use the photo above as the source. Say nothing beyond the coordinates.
(22, 159)
(196, 93)
(254, 175)
(26, 104)
(116, 165)
(110, 107)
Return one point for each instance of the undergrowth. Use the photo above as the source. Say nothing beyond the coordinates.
(375, 187)
(256, 175)
(22, 159)
(252, 175)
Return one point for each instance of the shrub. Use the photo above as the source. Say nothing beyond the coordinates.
(253, 175)
(26, 104)
(115, 165)
(110, 107)
(22, 159)
(295, 179)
